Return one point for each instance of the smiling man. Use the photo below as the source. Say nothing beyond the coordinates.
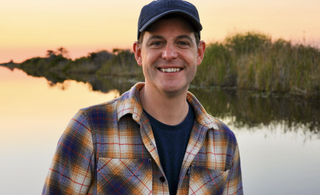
(156, 138)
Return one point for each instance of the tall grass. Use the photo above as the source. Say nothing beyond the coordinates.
(39, 66)
(122, 63)
(252, 61)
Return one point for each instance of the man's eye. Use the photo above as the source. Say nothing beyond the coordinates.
(157, 43)
(183, 43)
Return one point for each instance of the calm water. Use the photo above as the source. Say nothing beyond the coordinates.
(279, 137)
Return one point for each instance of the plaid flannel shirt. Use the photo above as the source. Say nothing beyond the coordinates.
(110, 149)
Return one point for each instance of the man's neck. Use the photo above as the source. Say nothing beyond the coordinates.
(168, 109)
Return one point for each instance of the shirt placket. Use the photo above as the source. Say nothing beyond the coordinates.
(194, 146)
(150, 143)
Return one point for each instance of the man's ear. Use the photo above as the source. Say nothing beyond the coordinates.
(137, 53)
(201, 50)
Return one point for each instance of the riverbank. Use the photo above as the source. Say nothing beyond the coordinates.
(251, 61)
(243, 61)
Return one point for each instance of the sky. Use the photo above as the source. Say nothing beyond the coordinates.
(30, 28)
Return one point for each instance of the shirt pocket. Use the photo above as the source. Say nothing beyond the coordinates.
(207, 181)
(124, 176)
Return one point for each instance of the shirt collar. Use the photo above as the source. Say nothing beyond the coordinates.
(129, 102)
(201, 115)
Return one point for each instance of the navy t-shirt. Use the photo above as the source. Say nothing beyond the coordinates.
(172, 143)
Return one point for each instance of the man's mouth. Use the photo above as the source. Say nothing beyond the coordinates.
(170, 69)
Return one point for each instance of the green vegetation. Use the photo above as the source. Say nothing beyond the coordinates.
(251, 61)
(243, 61)
(122, 63)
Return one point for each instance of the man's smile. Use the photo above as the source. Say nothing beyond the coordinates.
(170, 70)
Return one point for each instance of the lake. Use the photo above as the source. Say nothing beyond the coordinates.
(278, 135)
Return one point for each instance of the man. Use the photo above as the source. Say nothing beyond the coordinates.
(155, 138)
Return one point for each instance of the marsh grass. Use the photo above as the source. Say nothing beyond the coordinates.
(122, 63)
(39, 66)
(252, 61)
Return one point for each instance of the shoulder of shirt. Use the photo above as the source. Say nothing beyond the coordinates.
(111, 103)
(222, 127)
(120, 106)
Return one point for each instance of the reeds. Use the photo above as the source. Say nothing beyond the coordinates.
(122, 63)
(251, 61)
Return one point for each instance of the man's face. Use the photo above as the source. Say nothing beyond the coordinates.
(169, 55)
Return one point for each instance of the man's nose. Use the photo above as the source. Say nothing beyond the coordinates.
(169, 52)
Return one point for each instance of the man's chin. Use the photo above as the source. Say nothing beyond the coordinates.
(174, 90)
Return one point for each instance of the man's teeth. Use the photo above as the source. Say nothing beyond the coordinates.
(170, 69)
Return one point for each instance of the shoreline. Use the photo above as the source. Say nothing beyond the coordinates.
(245, 61)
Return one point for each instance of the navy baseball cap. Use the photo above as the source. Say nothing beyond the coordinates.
(159, 8)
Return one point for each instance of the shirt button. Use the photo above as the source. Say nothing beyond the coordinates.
(162, 179)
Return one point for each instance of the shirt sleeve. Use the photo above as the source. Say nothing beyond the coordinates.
(234, 180)
(71, 170)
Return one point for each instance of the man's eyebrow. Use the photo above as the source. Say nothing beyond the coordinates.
(185, 37)
(153, 37)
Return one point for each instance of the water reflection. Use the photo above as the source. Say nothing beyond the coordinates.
(278, 136)
(253, 110)
(102, 84)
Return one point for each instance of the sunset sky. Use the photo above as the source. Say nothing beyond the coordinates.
(30, 28)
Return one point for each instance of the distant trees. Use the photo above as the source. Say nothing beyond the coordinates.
(60, 51)
(50, 53)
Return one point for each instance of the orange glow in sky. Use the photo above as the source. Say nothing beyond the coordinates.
(30, 28)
